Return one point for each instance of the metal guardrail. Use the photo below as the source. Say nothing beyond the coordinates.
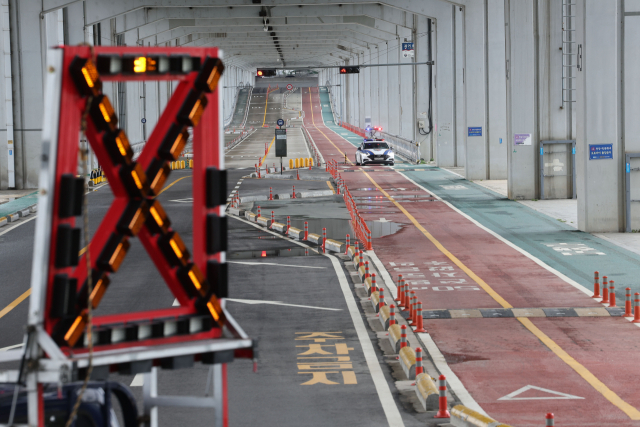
(404, 147)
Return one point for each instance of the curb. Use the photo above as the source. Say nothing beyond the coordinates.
(12, 217)
(250, 216)
(407, 357)
(461, 416)
(427, 392)
(282, 196)
(246, 199)
(264, 221)
(277, 176)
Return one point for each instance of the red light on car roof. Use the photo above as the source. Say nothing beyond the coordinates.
(264, 253)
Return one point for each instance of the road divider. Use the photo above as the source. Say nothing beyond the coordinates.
(427, 392)
(407, 357)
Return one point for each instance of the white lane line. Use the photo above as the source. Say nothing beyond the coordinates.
(256, 301)
(507, 242)
(382, 387)
(272, 263)
(138, 381)
(379, 381)
(453, 380)
(22, 222)
(11, 347)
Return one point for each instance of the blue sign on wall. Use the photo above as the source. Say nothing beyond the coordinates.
(600, 151)
(407, 46)
(475, 131)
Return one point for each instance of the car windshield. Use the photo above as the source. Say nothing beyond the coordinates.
(376, 146)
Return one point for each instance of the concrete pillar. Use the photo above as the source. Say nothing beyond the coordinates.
(369, 84)
(393, 83)
(445, 88)
(600, 97)
(631, 101)
(422, 85)
(522, 101)
(475, 81)
(406, 105)
(383, 86)
(27, 71)
(497, 129)
(460, 87)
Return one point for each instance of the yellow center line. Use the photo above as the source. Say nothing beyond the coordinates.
(598, 385)
(268, 149)
(15, 302)
(331, 187)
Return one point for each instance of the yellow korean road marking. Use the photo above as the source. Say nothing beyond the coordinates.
(265, 108)
(598, 385)
(331, 187)
(15, 303)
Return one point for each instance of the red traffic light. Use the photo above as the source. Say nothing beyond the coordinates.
(266, 72)
(349, 70)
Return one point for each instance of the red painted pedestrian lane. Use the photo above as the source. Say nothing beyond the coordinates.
(496, 357)
(593, 358)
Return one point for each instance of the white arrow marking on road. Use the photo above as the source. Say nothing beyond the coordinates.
(255, 301)
(556, 394)
(271, 263)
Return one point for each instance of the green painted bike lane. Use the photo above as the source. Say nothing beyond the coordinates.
(573, 253)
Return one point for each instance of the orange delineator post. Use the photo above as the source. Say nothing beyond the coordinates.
(612, 295)
(605, 290)
(596, 285)
(627, 303)
(443, 408)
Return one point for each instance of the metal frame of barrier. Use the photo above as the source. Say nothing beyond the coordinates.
(573, 163)
(404, 147)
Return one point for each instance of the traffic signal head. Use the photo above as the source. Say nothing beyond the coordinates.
(349, 70)
(266, 73)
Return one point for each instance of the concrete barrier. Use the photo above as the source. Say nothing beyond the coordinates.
(246, 199)
(314, 238)
(351, 252)
(250, 216)
(367, 284)
(296, 233)
(264, 221)
(375, 301)
(394, 337)
(461, 416)
(282, 196)
(3, 221)
(280, 228)
(384, 316)
(361, 272)
(235, 211)
(12, 217)
(334, 246)
(23, 213)
(33, 209)
(407, 357)
(427, 392)
(320, 193)
(278, 176)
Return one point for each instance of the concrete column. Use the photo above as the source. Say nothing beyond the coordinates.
(27, 71)
(475, 79)
(632, 102)
(405, 109)
(393, 83)
(460, 87)
(522, 101)
(445, 88)
(600, 97)
(383, 86)
(497, 129)
(422, 85)
(375, 85)
(368, 84)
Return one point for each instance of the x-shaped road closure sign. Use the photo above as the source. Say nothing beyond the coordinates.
(59, 276)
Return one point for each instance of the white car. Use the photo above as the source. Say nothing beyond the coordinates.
(374, 151)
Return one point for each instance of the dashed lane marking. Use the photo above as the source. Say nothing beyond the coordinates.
(598, 385)
(11, 347)
(15, 303)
